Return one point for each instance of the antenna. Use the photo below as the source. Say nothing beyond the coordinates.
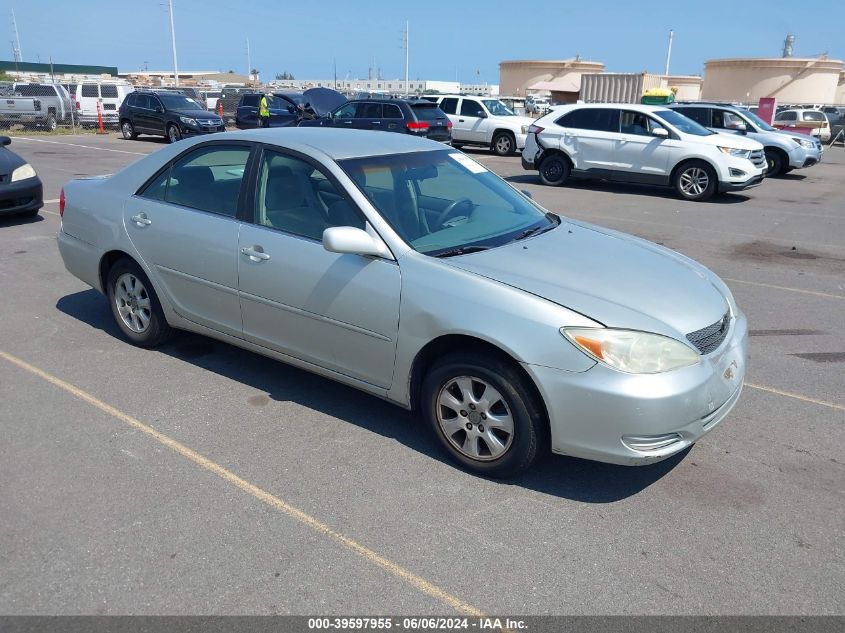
(16, 49)
(248, 61)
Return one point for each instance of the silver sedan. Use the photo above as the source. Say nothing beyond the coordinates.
(408, 270)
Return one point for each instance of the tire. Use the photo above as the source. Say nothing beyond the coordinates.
(128, 131)
(775, 163)
(504, 144)
(136, 308)
(488, 387)
(51, 122)
(173, 133)
(28, 214)
(695, 181)
(554, 170)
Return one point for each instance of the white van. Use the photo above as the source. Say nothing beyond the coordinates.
(110, 96)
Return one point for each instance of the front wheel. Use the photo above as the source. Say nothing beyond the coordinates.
(504, 144)
(135, 306)
(484, 414)
(774, 163)
(695, 181)
(173, 133)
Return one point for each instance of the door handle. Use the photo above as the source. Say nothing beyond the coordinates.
(460, 120)
(141, 219)
(347, 122)
(255, 255)
(376, 122)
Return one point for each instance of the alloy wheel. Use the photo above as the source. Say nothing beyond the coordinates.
(127, 130)
(133, 302)
(503, 144)
(694, 181)
(475, 418)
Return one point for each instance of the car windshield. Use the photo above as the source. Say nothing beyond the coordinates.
(179, 102)
(443, 203)
(497, 108)
(682, 123)
(757, 121)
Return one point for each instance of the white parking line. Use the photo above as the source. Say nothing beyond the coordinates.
(786, 288)
(102, 149)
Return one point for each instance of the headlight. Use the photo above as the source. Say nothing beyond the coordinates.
(188, 120)
(806, 144)
(631, 351)
(740, 153)
(23, 172)
(524, 129)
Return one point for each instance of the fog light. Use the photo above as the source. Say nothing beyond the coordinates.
(736, 173)
(649, 443)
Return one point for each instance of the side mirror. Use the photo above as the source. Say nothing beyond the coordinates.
(482, 114)
(349, 240)
(660, 132)
(159, 109)
(291, 109)
(742, 128)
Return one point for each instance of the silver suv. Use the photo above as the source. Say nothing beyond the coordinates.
(785, 151)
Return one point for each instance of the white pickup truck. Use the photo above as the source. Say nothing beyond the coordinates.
(485, 121)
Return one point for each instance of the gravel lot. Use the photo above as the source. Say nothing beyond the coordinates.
(99, 516)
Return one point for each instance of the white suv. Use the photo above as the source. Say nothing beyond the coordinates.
(485, 121)
(641, 144)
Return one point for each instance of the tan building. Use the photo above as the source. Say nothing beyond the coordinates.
(788, 79)
(526, 76)
(687, 87)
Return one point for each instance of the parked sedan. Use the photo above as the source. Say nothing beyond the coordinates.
(21, 192)
(409, 271)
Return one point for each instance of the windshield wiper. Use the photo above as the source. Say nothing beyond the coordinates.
(537, 229)
(462, 250)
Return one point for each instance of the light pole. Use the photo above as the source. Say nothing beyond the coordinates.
(669, 52)
(173, 41)
(407, 42)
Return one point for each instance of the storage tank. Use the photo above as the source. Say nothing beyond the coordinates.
(518, 75)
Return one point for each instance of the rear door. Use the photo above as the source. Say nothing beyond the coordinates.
(391, 118)
(111, 99)
(449, 106)
(588, 136)
(184, 224)
(367, 116)
(471, 121)
(247, 116)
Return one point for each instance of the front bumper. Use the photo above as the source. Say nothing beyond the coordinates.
(754, 181)
(598, 414)
(200, 131)
(21, 197)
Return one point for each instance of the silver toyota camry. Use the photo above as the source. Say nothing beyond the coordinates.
(408, 270)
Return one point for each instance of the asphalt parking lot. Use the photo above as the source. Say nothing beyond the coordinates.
(201, 479)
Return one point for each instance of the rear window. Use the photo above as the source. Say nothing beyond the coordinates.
(392, 111)
(108, 92)
(428, 112)
(90, 90)
(36, 90)
(814, 116)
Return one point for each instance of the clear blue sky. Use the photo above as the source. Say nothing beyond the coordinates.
(303, 37)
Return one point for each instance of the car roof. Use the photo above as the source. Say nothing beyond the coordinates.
(337, 144)
(628, 106)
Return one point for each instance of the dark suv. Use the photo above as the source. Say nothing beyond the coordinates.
(408, 116)
(168, 114)
(285, 109)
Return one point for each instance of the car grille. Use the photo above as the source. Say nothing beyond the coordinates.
(758, 158)
(709, 338)
(208, 122)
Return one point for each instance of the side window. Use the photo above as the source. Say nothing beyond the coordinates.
(368, 110)
(730, 121)
(295, 197)
(131, 101)
(108, 91)
(154, 102)
(599, 119)
(392, 111)
(471, 108)
(347, 111)
(787, 116)
(634, 123)
(90, 90)
(699, 115)
(449, 106)
(209, 179)
(157, 189)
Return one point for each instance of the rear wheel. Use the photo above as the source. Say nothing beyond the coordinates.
(128, 131)
(484, 414)
(173, 133)
(135, 306)
(775, 163)
(51, 122)
(554, 170)
(504, 144)
(695, 181)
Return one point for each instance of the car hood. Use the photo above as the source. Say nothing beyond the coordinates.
(323, 100)
(9, 161)
(617, 280)
(195, 114)
(726, 139)
(803, 137)
(516, 121)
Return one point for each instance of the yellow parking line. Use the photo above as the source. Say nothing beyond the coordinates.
(417, 582)
(801, 290)
(797, 396)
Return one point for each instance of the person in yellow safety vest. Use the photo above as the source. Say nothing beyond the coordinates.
(264, 110)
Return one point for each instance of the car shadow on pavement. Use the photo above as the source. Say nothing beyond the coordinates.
(628, 189)
(566, 477)
(16, 220)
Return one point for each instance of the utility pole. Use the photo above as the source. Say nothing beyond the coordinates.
(19, 54)
(407, 45)
(173, 41)
(669, 52)
(249, 62)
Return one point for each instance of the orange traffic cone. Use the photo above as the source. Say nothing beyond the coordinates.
(101, 129)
